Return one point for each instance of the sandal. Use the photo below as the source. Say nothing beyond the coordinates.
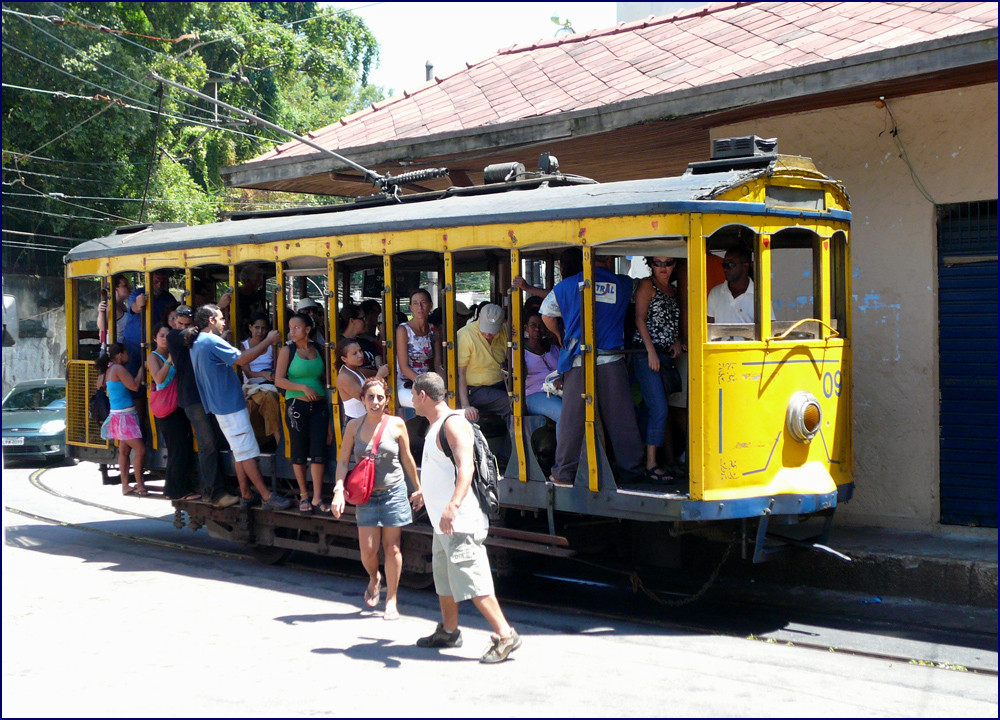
(130, 491)
(659, 475)
(371, 597)
(324, 508)
(192, 496)
(305, 507)
(142, 492)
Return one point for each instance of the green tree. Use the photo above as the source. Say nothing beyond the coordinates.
(77, 164)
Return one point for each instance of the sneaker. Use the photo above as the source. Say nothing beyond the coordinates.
(276, 502)
(501, 647)
(226, 500)
(245, 504)
(441, 638)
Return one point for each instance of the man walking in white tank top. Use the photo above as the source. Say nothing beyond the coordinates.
(461, 567)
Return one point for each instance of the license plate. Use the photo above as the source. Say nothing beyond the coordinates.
(13, 441)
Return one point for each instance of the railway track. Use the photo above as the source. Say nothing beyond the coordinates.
(616, 594)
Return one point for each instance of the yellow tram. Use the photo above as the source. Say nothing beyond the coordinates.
(769, 401)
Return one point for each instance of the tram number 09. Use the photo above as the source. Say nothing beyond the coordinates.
(831, 384)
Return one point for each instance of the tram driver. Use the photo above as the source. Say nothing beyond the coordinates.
(733, 300)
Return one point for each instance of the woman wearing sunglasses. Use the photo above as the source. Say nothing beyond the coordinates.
(657, 328)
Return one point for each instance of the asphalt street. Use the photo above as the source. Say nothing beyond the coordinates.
(97, 623)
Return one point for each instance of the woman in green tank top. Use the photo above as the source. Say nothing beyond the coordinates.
(301, 372)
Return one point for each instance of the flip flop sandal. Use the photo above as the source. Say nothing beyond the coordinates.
(131, 491)
(142, 492)
(305, 507)
(371, 598)
(192, 496)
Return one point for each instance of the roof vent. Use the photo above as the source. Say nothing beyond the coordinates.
(740, 147)
(130, 229)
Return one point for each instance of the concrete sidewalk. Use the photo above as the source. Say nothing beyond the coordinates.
(954, 565)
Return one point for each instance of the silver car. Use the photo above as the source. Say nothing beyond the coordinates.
(34, 420)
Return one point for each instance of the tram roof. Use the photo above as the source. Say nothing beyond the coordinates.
(685, 193)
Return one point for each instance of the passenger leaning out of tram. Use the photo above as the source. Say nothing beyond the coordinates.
(122, 290)
(181, 479)
(301, 373)
(123, 422)
(212, 360)
(381, 519)
(351, 376)
(258, 384)
(418, 348)
(482, 352)
(657, 333)
(612, 295)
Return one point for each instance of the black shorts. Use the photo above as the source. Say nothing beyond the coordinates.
(308, 425)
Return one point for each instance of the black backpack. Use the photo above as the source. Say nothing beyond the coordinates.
(485, 473)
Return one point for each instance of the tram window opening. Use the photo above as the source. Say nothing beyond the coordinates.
(795, 282)
(838, 283)
(88, 297)
(731, 267)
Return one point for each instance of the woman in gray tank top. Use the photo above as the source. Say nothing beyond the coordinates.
(381, 519)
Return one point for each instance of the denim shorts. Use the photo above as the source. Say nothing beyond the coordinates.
(386, 508)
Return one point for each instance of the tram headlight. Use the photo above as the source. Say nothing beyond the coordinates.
(804, 416)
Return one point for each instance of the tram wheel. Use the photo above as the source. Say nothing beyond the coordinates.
(269, 555)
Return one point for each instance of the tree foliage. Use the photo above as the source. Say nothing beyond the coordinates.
(76, 167)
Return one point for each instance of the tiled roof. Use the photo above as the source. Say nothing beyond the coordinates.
(719, 42)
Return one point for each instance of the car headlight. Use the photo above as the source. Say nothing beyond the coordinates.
(804, 416)
(52, 427)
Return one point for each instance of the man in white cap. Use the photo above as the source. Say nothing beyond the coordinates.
(314, 310)
(482, 350)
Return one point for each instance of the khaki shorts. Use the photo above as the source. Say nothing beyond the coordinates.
(461, 567)
(239, 432)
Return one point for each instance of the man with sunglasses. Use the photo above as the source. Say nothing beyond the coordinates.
(733, 300)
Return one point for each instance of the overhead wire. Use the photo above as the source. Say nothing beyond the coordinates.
(6, 207)
(110, 69)
(127, 106)
(34, 234)
(39, 193)
(186, 202)
(19, 171)
(75, 162)
(192, 119)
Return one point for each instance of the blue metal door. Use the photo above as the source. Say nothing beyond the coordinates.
(967, 313)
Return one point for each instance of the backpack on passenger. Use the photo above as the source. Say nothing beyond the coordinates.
(485, 473)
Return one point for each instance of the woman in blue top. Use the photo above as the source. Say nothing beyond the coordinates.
(123, 422)
(176, 429)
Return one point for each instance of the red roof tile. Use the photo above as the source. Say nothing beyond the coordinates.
(649, 57)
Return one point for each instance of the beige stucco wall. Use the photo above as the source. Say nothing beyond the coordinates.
(951, 140)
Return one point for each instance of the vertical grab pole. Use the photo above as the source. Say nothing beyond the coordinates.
(279, 278)
(451, 352)
(824, 285)
(763, 309)
(697, 331)
(389, 314)
(333, 332)
(589, 357)
(517, 369)
(147, 345)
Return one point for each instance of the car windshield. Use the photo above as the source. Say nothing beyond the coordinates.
(49, 397)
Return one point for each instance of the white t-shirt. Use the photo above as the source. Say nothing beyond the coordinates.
(261, 363)
(437, 480)
(728, 309)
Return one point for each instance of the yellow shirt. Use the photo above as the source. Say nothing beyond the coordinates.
(480, 359)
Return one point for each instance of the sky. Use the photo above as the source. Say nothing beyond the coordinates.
(452, 34)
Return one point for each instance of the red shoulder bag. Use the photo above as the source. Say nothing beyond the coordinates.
(361, 479)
